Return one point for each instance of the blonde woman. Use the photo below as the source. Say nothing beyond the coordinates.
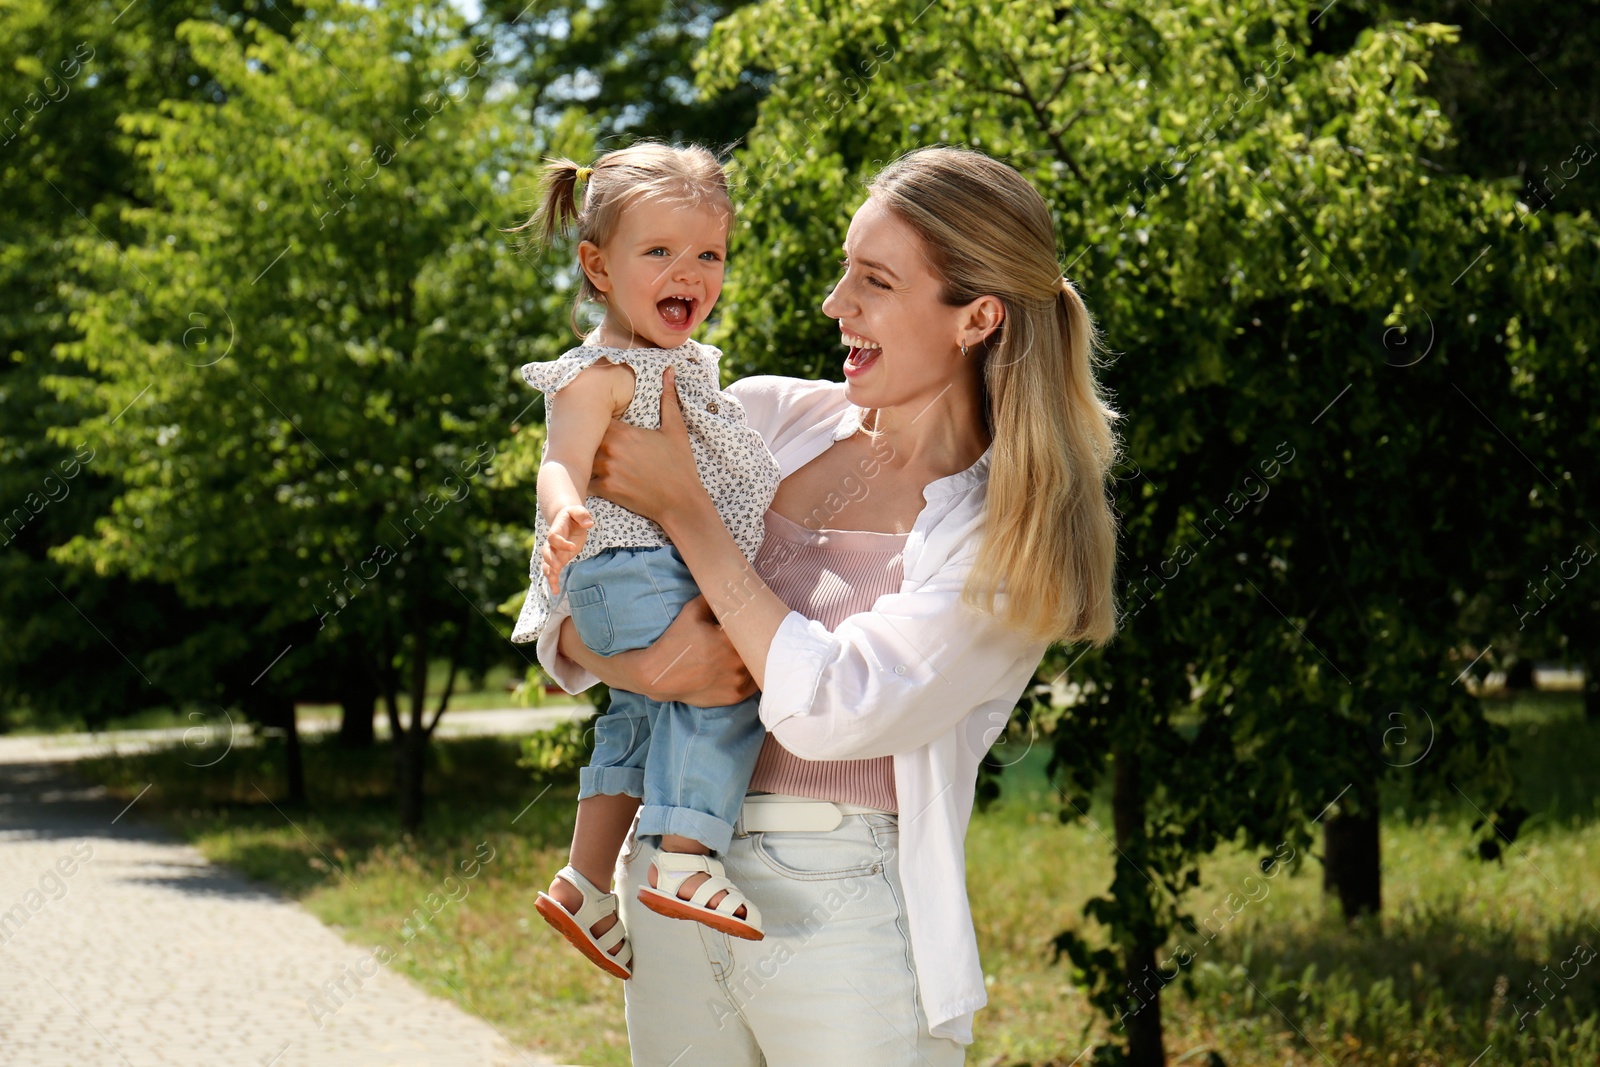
(941, 519)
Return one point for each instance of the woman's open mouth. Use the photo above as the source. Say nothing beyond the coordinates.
(677, 311)
(864, 352)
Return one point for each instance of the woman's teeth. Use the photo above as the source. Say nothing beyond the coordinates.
(862, 352)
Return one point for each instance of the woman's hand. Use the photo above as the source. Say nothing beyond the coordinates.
(693, 662)
(649, 472)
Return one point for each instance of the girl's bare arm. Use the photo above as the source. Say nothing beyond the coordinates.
(574, 427)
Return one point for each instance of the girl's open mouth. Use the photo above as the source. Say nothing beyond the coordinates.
(677, 311)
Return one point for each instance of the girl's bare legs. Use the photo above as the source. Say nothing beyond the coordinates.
(603, 822)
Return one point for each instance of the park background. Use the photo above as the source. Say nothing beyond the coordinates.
(1328, 797)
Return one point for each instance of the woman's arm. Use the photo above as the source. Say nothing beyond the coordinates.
(884, 681)
(894, 678)
(660, 481)
(692, 662)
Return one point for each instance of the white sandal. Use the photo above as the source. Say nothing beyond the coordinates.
(576, 928)
(672, 868)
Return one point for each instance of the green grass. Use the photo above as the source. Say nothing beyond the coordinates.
(1285, 982)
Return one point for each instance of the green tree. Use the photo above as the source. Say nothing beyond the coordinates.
(624, 66)
(67, 72)
(1258, 221)
(299, 363)
(1524, 101)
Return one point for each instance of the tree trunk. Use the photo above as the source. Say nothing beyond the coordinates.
(410, 753)
(411, 747)
(1350, 859)
(1145, 1047)
(1519, 677)
(276, 710)
(357, 696)
(294, 766)
(1591, 687)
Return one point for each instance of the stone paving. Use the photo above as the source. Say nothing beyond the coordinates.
(207, 740)
(123, 947)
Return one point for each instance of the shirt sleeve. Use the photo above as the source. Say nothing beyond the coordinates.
(894, 678)
(785, 410)
(565, 672)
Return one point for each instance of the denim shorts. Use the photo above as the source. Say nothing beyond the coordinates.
(624, 598)
(690, 765)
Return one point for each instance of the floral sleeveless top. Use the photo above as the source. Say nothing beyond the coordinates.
(733, 461)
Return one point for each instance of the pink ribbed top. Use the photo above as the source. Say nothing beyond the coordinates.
(827, 575)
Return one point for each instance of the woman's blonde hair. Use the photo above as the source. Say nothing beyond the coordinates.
(1050, 534)
(645, 170)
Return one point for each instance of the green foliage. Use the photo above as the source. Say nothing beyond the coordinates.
(531, 692)
(299, 363)
(554, 755)
(67, 71)
(624, 66)
(1258, 221)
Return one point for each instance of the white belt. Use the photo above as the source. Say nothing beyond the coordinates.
(764, 812)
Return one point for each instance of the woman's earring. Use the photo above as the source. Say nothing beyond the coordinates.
(963, 351)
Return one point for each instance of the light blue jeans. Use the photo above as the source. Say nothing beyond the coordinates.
(689, 765)
(832, 983)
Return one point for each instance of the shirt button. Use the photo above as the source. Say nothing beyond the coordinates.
(900, 669)
(712, 407)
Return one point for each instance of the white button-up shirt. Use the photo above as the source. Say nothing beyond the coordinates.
(919, 677)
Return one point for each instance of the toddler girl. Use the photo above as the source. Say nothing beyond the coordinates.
(652, 237)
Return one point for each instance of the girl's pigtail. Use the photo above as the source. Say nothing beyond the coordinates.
(560, 207)
(558, 202)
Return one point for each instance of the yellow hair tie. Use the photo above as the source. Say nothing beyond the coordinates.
(584, 172)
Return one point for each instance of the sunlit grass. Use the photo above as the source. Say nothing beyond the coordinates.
(1437, 981)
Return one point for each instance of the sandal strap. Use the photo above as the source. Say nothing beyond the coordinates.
(673, 867)
(608, 940)
(686, 863)
(597, 904)
(710, 888)
(584, 886)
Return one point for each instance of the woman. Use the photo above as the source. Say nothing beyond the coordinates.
(942, 518)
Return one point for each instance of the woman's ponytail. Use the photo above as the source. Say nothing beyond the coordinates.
(1083, 392)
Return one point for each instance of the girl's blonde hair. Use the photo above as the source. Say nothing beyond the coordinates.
(1050, 537)
(647, 169)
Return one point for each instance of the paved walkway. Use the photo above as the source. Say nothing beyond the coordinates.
(121, 946)
(209, 738)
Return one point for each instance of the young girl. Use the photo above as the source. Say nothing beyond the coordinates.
(652, 237)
